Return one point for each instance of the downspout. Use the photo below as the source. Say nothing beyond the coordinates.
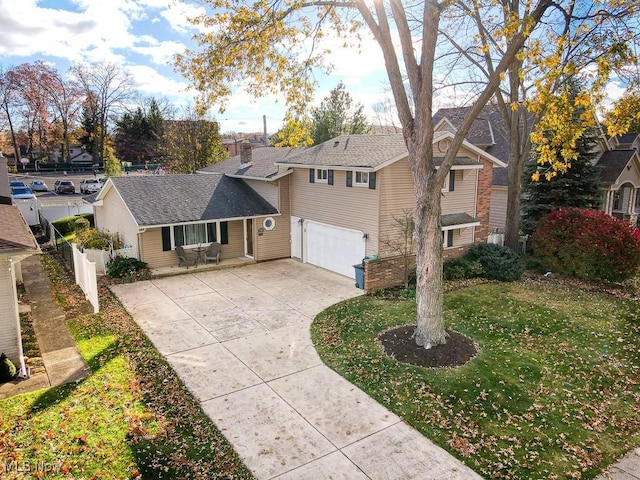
(140, 249)
(475, 213)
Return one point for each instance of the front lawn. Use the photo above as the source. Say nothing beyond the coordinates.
(131, 418)
(540, 399)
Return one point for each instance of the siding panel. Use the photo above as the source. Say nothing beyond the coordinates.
(498, 212)
(114, 217)
(348, 207)
(276, 243)
(9, 319)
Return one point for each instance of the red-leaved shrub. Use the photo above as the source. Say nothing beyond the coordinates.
(587, 244)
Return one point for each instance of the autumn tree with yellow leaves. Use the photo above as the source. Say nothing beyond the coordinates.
(588, 41)
(271, 47)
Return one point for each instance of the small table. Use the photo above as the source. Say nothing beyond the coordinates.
(199, 251)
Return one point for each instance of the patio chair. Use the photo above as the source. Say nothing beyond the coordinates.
(212, 253)
(183, 257)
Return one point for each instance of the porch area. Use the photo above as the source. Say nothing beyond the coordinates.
(200, 267)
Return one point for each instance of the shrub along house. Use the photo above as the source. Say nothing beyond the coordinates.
(329, 205)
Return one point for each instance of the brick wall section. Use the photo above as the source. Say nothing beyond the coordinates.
(385, 272)
(389, 272)
(483, 202)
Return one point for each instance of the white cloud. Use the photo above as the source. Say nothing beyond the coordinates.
(150, 82)
(177, 16)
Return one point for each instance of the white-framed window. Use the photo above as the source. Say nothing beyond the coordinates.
(447, 238)
(322, 175)
(195, 234)
(449, 182)
(361, 179)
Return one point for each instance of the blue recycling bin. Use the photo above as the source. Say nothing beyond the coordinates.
(359, 269)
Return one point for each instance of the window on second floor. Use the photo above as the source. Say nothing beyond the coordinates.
(322, 175)
(362, 178)
(450, 182)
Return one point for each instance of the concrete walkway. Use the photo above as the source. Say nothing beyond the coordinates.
(239, 339)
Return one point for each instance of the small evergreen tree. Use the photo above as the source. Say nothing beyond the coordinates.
(337, 115)
(578, 187)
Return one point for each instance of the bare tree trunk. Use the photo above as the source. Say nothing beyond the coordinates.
(512, 228)
(430, 329)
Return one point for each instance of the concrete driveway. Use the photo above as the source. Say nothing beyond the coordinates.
(239, 340)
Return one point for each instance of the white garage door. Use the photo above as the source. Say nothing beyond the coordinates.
(334, 248)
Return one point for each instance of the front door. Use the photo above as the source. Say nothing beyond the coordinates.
(248, 237)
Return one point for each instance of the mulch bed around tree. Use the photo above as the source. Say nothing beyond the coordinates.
(399, 344)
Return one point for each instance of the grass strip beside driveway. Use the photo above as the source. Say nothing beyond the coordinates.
(539, 400)
(132, 418)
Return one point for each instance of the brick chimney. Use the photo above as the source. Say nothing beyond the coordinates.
(245, 153)
(5, 190)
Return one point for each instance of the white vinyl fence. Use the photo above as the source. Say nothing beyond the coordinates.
(55, 208)
(85, 272)
(102, 257)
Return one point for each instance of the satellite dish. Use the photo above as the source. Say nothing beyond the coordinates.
(24, 161)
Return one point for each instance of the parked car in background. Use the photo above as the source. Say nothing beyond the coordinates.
(22, 193)
(39, 186)
(90, 185)
(64, 186)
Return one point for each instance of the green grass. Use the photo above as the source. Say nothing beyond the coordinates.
(538, 401)
(131, 418)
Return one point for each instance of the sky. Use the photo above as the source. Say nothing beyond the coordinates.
(142, 36)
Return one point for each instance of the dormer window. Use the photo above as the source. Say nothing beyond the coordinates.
(362, 179)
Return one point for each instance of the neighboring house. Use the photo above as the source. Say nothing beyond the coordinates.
(77, 154)
(618, 159)
(155, 213)
(16, 243)
(621, 177)
(329, 205)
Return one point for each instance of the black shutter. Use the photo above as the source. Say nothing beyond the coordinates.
(330, 177)
(166, 239)
(312, 175)
(449, 238)
(372, 180)
(224, 233)
(349, 178)
(452, 180)
(211, 232)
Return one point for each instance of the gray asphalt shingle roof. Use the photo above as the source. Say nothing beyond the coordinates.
(612, 163)
(365, 151)
(169, 199)
(263, 163)
(15, 235)
(357, 151)
(452, 219)
(488, 125)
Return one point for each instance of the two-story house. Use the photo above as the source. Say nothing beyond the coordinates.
(330, 205)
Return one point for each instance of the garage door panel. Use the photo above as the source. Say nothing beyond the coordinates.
(334, 248)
